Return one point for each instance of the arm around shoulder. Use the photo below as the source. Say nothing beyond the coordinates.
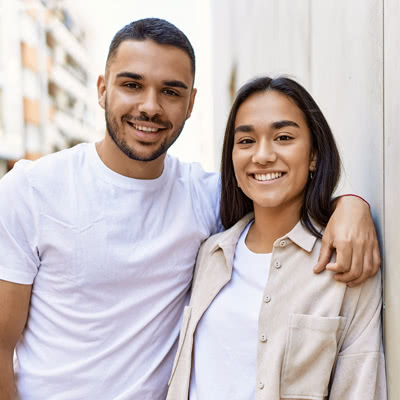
(351, 232)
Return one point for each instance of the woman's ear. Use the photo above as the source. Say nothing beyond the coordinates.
(313, 162)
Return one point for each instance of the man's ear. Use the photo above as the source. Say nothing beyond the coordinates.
(191, 103)
(101, 91)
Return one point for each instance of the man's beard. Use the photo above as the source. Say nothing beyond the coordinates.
(112, 129)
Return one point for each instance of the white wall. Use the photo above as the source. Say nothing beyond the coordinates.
(347, 80)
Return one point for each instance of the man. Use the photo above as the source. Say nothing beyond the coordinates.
(98, 242)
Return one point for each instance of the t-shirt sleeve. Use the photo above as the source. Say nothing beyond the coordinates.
(206, 197)
(19, 259)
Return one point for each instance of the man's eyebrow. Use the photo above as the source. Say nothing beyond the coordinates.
(283, 124)
(131, 75)
(175, 83)
(244, 128)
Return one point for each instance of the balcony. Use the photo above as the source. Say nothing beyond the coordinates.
(64, 38)
(63, 79)
(72, 128)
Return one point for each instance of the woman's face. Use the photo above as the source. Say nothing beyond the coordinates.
(272, 150)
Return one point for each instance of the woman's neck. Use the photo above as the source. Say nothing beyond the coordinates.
(269, 225)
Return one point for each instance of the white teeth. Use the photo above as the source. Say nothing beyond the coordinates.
(268, 177)
(145, 128)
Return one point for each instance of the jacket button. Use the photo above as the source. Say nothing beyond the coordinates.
(277, 264)
(267, 299)
(263, 338)
(261, 385)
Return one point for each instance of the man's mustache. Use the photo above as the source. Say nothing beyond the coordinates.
(155, 120)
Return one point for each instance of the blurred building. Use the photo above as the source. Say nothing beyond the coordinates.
(44, 79)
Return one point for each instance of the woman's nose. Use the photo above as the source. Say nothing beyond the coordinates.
(264, 154)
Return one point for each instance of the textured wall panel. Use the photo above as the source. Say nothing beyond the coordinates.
(347, 79)
(392, 194)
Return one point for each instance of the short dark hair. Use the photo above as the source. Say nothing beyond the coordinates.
(156, 29)
(318, 191)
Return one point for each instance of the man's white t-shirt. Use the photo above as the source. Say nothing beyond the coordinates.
(225, 346)
(111, 261)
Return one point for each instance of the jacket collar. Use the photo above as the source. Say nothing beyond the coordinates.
(301, 236)
(227, 240)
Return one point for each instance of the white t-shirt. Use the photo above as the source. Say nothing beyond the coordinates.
(225, 347)
(111, 261)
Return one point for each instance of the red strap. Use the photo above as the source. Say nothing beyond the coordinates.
(350, 194)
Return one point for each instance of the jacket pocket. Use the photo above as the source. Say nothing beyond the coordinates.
(310, 354)
(187, 311)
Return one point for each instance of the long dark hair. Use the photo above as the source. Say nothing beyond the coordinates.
(318, 191)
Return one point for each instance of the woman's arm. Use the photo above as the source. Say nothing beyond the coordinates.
(351, 232)
(360, 367)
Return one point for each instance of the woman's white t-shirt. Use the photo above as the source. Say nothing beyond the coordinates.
(225, 351)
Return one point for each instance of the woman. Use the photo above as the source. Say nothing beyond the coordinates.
(260, 323)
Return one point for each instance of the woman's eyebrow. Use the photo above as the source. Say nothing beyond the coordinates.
(283, 124)
(244, 128)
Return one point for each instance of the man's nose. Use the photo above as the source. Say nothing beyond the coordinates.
(150, 103)
(264, 153)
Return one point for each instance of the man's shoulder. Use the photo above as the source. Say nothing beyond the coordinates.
(54, 165)
(203, 188)
(49, 174)
(192, 170)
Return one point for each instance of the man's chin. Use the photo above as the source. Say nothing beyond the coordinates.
(145, 156)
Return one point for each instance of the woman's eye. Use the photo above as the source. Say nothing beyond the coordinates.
(284, 137)
(245, 141)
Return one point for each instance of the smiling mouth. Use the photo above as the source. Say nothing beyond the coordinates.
(271, 176)
(146, 129)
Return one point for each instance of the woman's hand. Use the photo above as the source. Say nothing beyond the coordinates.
(351, 232)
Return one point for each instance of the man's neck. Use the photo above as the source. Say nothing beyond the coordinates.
(120, 163)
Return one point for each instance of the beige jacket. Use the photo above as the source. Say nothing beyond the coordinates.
(318, 339)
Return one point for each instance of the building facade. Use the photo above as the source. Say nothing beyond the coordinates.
(44, 80)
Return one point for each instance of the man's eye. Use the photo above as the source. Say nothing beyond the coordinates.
(170, 92)
(132, 85)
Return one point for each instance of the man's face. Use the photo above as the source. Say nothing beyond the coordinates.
(147, 96)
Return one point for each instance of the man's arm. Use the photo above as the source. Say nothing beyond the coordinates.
(351, 232)
(14, 301)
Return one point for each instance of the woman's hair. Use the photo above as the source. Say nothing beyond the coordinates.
(318, 190)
